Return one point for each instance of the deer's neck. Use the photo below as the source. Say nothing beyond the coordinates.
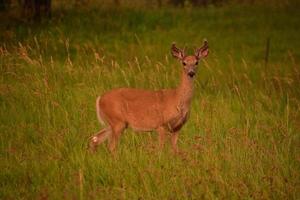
(184, 92)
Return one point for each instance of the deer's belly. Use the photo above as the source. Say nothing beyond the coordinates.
(144, 120)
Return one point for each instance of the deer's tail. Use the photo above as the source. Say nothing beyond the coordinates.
(98, 110)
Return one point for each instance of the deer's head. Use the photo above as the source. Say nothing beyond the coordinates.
(190, 62)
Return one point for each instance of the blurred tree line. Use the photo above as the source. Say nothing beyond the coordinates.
(195, 2)
(32, 9)
(37, 9)
(42, 8)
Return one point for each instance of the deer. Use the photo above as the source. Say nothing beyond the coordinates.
(164, 111)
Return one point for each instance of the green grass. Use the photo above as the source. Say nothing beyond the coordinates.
(241, 141)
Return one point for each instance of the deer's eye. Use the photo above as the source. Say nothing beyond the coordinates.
(184, 63)
(196, 63)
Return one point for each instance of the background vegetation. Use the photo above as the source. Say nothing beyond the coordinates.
(242, 138)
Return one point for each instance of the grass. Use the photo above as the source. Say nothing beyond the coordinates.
(242, 138)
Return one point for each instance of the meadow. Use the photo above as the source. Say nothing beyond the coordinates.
(241, 141)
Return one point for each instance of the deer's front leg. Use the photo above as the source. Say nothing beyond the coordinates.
(161, 136)
(174, 139)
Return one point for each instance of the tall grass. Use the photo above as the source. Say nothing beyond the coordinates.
(242, 138)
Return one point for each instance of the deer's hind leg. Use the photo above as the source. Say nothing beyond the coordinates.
(99, 138)
(117, 129)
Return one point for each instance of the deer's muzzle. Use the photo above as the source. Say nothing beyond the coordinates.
(191, 74)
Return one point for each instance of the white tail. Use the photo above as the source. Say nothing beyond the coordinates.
(98, 110)
(143, 110)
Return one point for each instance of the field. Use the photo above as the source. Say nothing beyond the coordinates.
(242, 139)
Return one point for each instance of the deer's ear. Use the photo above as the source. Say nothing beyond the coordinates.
(176, 52)
(202, 52)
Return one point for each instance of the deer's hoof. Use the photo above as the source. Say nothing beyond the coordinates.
(92, 146)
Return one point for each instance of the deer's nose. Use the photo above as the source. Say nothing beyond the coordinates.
(191, 74)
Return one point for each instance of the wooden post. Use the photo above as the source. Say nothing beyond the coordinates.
(267, 51)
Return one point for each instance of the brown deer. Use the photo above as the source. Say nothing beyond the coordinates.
(143, 110)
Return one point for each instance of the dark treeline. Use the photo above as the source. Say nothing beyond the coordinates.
(39, 8)
(30, 9)
(35, 10)
(195, 2)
